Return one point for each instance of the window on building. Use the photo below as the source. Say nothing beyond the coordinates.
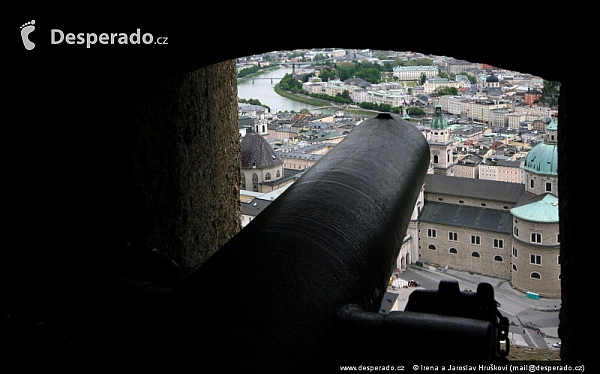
(431, 233)
(548, 187)
(516, 231)
(268, 176)
(535, 259)
(498, 258)
(536, 237)
(436, 159)
(452, 236)
(255, 182)
(475, 254)
(514, 267)
(453, 251)
(531, 183)
(498, 243)
(515, 252)
(475, 239)
(432, 247)
(535, 275)
(243, 181)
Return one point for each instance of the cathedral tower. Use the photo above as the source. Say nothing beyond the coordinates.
(440, 144)
(541, 163)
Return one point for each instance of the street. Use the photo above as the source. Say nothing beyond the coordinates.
(532, 323)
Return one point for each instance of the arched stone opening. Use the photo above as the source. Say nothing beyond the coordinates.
(118, 189)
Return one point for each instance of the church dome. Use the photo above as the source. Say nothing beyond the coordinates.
(492, 78)
(258, 153)
(543, 209)
(543, 157)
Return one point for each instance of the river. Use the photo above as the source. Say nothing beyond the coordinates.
(263, 90)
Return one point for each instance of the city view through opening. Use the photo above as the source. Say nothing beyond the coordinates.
(488, 210)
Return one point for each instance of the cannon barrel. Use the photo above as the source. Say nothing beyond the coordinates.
(269, 299)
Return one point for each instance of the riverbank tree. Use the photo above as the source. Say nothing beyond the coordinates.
(253, 102)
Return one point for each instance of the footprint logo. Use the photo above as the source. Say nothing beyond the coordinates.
(26, 29)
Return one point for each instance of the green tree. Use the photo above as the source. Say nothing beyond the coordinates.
(440, 91)
(290, 84)
(326, 74)
(421, 61)
(550, 92)
(371, 75)
(415, 111)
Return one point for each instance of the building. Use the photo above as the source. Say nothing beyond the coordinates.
(440, 144)
(379, 97)
(299, 160)
(480, 110)
(453, 66)
(496, 228)
(468, 166)
(535, 246)
(510, 171)
(491, 82)
(541, 163)
(531, 96)
(451, 104)
(413, 73)
(262, 169)
(252, 208)
(431, 85)
(465, 224)
(501, 170)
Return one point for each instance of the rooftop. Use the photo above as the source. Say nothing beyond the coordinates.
(543, 209)
(475, 188)
(256, 152)
(542, 159)
(467, 216)
(255, 206)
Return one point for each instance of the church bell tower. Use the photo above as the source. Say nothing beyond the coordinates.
(440, 144)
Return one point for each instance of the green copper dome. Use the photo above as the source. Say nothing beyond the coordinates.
(543, 158)
(438, 122)
(543, 210)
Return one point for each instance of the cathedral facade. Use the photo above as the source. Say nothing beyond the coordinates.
(499, 229)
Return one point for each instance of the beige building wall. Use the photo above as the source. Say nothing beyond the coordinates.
(536, 265)
(453, 247)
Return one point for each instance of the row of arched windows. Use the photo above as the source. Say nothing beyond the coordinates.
(255, 180)
(454, 251)
(533, 275)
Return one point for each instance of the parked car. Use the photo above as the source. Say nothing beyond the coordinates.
(556, 345)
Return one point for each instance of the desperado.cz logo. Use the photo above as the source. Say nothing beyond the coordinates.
(58, 36)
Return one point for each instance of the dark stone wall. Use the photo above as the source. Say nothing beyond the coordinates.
(163, 164)
(184, 169)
